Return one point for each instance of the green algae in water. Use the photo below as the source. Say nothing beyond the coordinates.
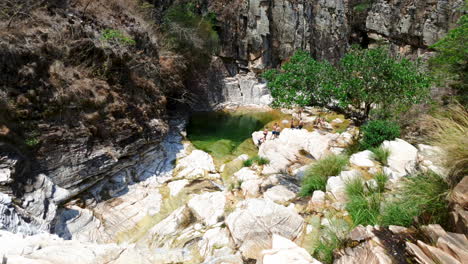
(226, 135)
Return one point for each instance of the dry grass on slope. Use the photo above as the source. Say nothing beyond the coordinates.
(449, 130)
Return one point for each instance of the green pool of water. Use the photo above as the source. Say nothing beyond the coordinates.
(226, 135)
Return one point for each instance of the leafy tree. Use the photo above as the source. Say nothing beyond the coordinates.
(300, 81)
(190, 32)
(363, 79)
(452, 58)
(371, 77)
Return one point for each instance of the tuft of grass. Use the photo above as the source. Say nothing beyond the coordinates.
(381, 155)
(422, 196)
(333, 237)
(363, 203)
(448, 131)
(317, 174)
(116, 36)
(32, 142)
(248, 163)
(381, 180)
(262, 161)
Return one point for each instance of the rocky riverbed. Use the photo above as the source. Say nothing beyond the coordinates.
(176, 206)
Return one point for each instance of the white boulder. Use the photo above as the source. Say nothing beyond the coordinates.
(176, 186)
(285, 251)
(362, 159)
(403, 156)
(255, 220)
(246, 174)
(279, 194)
(197, 164)
(208, 207)
(336, 185)
(285, 150)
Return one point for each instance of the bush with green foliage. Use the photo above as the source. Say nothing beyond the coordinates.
(300, 81)
(377, 131)
(381, 155)
(317, 174)
(116, 36)
(191, 32)
(363, 79)
(451, 61)
(248, 163)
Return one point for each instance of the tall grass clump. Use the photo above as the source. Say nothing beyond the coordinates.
(422, 196)
(449, 131)
(364, 202)
(333, 236)
(317, 174)
(381, 155)
(381, 180)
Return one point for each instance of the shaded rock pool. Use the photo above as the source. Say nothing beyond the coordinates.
(226, 135)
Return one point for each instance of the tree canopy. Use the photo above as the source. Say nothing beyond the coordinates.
(362, 80)
(452, 57)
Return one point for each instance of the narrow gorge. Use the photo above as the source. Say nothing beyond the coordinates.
(140, 131)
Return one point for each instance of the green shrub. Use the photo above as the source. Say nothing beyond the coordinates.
(115, 36)
(317, 174)
(377, 131)
(422, 196)
(381, 155)
(248, 163)
(191, 33)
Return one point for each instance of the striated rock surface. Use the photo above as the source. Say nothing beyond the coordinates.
(285, 251)
(255, 220)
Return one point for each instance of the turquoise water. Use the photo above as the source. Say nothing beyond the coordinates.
(226, 135)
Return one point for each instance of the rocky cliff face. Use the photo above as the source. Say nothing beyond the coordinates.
(80, 94)
(262, 34)
(258, 34)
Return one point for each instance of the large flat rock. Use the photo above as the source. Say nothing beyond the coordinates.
(255, 220)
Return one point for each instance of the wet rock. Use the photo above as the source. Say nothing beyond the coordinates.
(255, 220)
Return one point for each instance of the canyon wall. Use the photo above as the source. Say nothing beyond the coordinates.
(260, 34)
